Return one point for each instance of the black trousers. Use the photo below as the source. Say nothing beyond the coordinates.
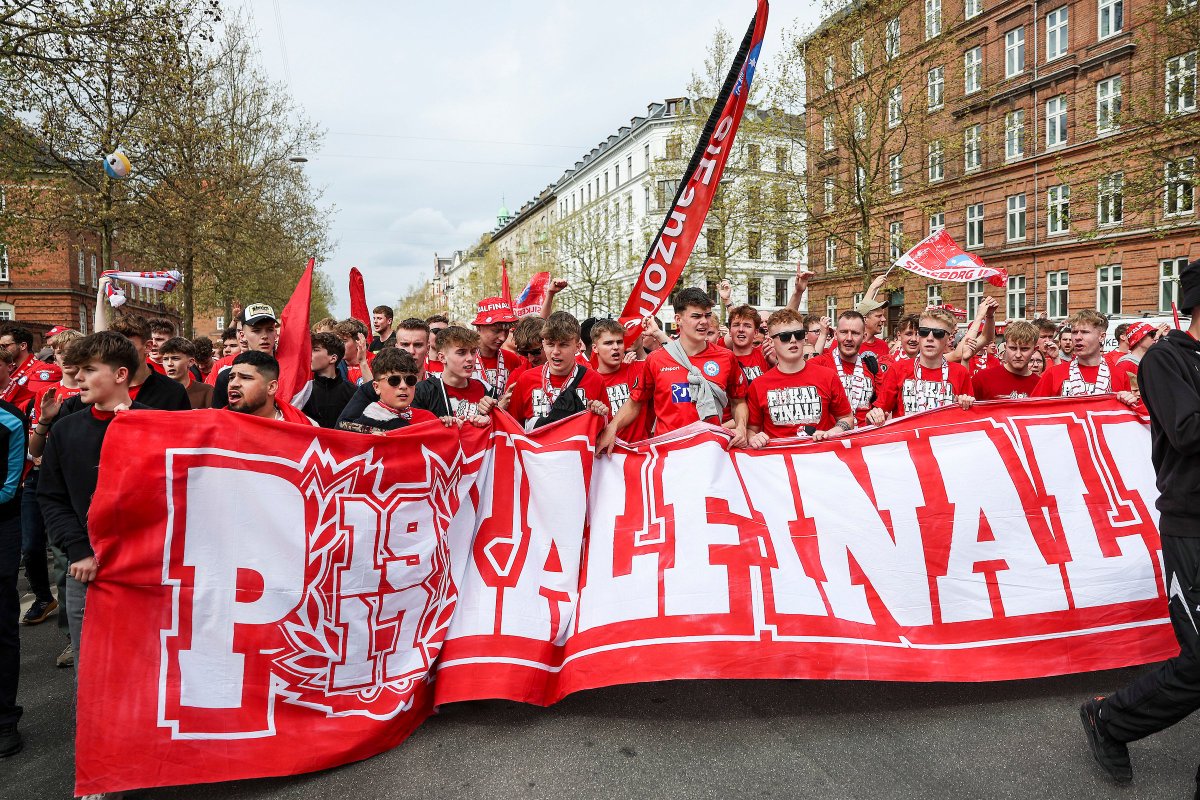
(1164, 696)
(10, 613)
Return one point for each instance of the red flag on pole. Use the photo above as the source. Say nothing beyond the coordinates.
(359, 309)
(673, 245)
(533, 297)
(294, 352)
(505, 292)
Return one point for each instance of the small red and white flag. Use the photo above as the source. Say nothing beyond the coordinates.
(939, 257)
(162, 280)
(533, 297)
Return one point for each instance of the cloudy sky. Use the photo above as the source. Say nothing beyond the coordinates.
(435, 112)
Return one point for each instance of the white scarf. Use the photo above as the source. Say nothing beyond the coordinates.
(858, 388)
(1076, 386)
(162, 280)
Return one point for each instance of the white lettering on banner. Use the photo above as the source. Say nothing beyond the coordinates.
(1027, 583)
(675, 223)
(848, 525)
(1096, 579)
(218, 551)
(793, 405)
(723, 128)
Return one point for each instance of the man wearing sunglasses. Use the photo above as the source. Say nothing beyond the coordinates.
(929, 382)
(395, 382)
(796, 397)
(859, 372)
(496, 366)
(1139, 337)
(527, 336)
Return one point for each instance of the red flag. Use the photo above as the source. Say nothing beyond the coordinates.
(673, 245)
(533, 297)
(295, 344)
(358, 298)
(505, 292)
(939, 257)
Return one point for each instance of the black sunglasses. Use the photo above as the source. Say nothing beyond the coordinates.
(938, 333)
(394, 380)
(813, 330)
(787, 336)
(530, 353)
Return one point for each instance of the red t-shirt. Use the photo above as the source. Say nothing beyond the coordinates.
(997, 383)
(666, 385)
(530, 399)
(433, 366)
(62, 393)
(218, 366)
(157, 367)
(27, 382)
(620, 386)
(1055, 381)
(753, 365)
(499, 371)
(859, 384)
(910, 387)
(782, 404)
(879, 347)
(464, 402)
(1113, 356)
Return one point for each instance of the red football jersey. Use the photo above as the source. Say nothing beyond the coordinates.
(620, 386)
(219, 366)
(997, 383)
(532, 398)
(910, 387)
(464, 402)
(62, 393)
(858, 382)
(27, 382)
(783, 404)
(666, 385)
(753, 365)
(879, 347)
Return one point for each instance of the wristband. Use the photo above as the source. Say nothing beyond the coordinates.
(845, 426)
(43, 432)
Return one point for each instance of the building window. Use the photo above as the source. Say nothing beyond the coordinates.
(646, 198)
(628, 209)
(860, 184)
(1108, 290)
(858, 251)
(666, 192)
(754, 245)
(895, 240)
(857, 64)
(1056, 294)
(1014, 52)
(781, 159)
(856, 299)
(1058, 209)
(8, 312)
(830, 254)
(1108, 104)
(975, 225)
(860, 122)
(937, 222)
(1014, 135)
(715, 240)
(895, 174)
(1168, 282)
(753, 156)
(1056, 33)
(92, 263)
(971, 137)
(1110, 201)
(829, 70)
(646, 155)
(782, 251)
(4, 263)
(83, 319)
(753, 291)
(1179, 195)
(616, 176)
(831, 307)
(895, 106)
(891, 42)
(972, 8)
(936, 87)
(974, 297)
(1016, 297)
(830, 202)
(933, 18)
(82, 274)
(605, 184)
(937, 162)
(933, 295)
(1111, 15)
(629, 167)
(781, 291)
(827, 134)
(973, 70)
(1056, 121)
(1181, 83)
(1016, 218)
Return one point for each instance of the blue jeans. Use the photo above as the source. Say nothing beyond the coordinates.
(33, 541)
(10, 613)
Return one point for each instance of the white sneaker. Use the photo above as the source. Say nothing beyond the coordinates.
(104, 796)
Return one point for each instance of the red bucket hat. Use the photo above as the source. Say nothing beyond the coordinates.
(1137, 332)
(494, 311)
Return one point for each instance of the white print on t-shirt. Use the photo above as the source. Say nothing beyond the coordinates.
(541, 402)
(462, 409)
(856, 384)
(926, 395)
(751, 373)
(618, 395)
(794, 405)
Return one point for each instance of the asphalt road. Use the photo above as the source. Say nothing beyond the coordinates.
(689, 739)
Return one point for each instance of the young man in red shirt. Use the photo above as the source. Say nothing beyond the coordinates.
(928, 382)
(682, 394)
(1085, 372)
(177, 356)
(495, 366)
(797, 396)
(1012, 377)
(620, 376)
(436, 323)
(395, 382)
(412, 336)
(29, 377)
(744, 322)
(538, 396)
(453, 394)
(1138, 338)
(860, 373)
(160, 330)
(907, 338)
(874, 319)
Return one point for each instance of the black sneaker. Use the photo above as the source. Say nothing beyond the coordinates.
(10, 740)
(39, 612)
(1110, 754)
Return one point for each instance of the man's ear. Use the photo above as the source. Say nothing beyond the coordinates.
(272, 387)
(121, 374)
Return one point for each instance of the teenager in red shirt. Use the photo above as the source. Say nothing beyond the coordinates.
(928, 382)
(797, 396)
(537, 390)
(412, 335)
(744, 322)
(1138, 338)
(620, 374)
(453, 394)
(1013, 377)
(496, 366)
(907, 338)
(860, 373)
(1085, 372)
(160, 331)
(667, 384)
(29, 377)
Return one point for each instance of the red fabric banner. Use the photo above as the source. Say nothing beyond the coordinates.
(297, 632)
(359, 309)
(533, 296)
(939, 257)
(671, 248)
(505, 292)
(295, 344)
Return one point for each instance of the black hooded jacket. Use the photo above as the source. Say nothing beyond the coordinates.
(1169, 380)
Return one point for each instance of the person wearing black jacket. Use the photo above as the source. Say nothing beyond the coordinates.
(12, 448)
(330, 391)
(1169, 380)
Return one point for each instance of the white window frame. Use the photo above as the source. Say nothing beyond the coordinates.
(830, 73)
(829, 195)
(860, 122)
(1110, 200)
(82, 269)
(974, 295)
(972, 8)
(933, 295)
(1015, 218)
(858, 66)
(1014, 135)
(1058, 210)
(937, 222)
(1058, 294)
(1056, 122)
(1057, 30)
(895, 239)
(1108, 289)
(974, 226)
(1168, 282)
(4, 276)
(831, 254)
(83, 319)
(891, 39)
(1180, 89)
(895, 107)
(1179, 187)
(933, 18)
(827, 134)
(936, 161)
(1110, 18)
(935, 88)
(1014, 52)
(1015, 305)
(896, 174)
(831, 307)
(8, 312)
(972, 70)
(972, 160)
(1108, 105)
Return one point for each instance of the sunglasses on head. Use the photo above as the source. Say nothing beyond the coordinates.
(938, 333)
(395, 380)
(787, 336)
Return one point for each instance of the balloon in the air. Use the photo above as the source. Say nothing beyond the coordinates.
(117, 165)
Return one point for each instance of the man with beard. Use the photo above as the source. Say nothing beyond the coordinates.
(252, 383)
(859, 372)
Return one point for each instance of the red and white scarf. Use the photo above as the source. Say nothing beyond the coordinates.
(1076, 386)
(922, 395)
(856, 384)
(162, 280)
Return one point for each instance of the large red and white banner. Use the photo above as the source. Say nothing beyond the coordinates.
(297, 588)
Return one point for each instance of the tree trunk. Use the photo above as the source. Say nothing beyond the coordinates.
(188, 271)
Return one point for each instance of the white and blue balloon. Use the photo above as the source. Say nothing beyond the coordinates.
(117, 165)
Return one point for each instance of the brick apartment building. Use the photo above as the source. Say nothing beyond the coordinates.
(1010, 124)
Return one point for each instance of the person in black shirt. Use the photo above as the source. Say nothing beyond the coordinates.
(330, 391)
(12, 448)
(1169, 379)
(395, 379)
(381, 321)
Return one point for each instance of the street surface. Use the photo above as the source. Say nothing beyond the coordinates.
(687, 739)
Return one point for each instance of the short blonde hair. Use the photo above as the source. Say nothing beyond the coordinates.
(1090, 318)
(63, 339)
(1021, 332)
(941, 315)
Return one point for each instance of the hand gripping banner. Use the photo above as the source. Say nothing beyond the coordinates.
(296, 588)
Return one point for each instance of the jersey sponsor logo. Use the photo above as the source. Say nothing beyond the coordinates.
(794, 405)
(681, 393)
(712, 369)
(44, 375)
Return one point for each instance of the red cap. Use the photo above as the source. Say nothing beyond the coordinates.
(494, 311)
(56, 330)
(1137, 332)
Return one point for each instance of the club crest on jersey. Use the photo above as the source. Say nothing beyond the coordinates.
(44, 375)
(23, 380)
(711, 369)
